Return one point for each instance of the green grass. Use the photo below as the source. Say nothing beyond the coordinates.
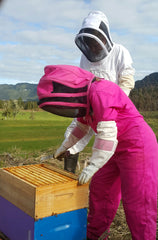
(45, 131)
(152, 119)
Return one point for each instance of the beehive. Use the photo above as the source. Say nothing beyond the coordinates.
(42, 190)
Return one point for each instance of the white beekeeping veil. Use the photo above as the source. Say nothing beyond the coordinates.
(94, 38)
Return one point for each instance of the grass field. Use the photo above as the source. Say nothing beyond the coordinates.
(32, 132)
(31, 135)
(39, 131)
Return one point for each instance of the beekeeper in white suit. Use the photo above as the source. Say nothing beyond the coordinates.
(105, 59)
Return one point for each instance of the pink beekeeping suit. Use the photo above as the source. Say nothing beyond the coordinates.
(130, 172)
(124, 161)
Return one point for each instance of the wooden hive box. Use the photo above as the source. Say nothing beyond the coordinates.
(42, 190)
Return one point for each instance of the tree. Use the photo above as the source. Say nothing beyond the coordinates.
(15, 108)
(20, 102)
(10, 108)
(6, 109)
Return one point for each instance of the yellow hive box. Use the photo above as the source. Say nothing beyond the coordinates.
(42, 190)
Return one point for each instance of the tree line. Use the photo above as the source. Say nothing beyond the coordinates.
(10, 108)
(146, 98)
(145, 93)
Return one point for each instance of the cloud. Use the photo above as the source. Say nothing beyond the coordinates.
(37, 33)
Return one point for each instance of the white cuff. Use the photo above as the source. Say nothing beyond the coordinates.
(127, 91)
(101, 157)
(79, 131)
(105, 143)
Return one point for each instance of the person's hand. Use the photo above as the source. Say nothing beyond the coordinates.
(59, 152)
(87, 173)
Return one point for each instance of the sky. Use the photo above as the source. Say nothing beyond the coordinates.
(36, 33)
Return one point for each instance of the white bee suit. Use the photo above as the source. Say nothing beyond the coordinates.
(116, 65)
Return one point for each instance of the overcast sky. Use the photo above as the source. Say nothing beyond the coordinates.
(36, 33)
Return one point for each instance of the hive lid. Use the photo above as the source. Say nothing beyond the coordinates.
(41, 174)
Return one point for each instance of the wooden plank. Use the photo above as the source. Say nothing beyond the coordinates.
(65, 173)
(69, 197)
(72, 199)
(18, 192)
(40, 175)
(42, 190)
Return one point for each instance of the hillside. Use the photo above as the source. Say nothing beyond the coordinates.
(148, 81)
(26, 91)
(144, 95)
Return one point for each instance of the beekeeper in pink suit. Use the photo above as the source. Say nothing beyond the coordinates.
(125, 151)
(104, 58)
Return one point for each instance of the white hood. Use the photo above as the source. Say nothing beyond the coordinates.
(95, 30)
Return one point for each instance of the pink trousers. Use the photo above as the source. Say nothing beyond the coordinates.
(131, 174)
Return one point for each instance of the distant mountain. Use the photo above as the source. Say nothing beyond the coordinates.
(26, 91)
(148, 81)
(145, 93)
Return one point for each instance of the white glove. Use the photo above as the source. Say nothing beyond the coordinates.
(87, 173)
(103, 149)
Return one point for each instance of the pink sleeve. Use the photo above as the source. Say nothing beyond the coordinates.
(82, 120)
(103, 107)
